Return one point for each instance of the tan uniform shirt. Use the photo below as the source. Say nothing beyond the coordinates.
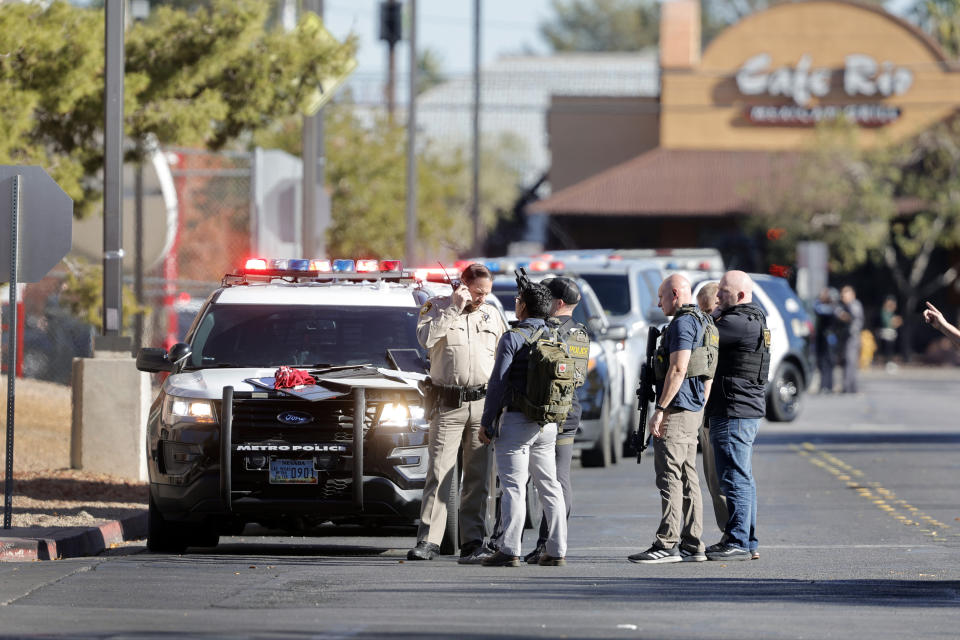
(462, 346)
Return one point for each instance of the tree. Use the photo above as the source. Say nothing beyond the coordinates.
(203, 78)
(941, 18)
(890, 207)
(366, 173)
(429, 70)
(601, 25)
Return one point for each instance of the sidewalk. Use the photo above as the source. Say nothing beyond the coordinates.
(24, 544)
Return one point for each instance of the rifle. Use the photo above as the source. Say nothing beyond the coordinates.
(522, 280)
(646, 392)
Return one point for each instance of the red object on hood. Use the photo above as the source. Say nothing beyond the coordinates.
(288, 377)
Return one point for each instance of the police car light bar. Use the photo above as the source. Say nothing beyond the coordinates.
(366, 266)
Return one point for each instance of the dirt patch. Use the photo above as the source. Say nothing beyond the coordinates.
(46, 492)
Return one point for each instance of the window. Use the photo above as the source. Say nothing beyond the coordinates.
(238, 335)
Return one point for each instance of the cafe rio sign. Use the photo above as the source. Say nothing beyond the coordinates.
(863, 80)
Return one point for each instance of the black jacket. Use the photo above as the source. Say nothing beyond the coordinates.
(734, 397)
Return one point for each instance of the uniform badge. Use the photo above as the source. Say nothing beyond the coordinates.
(426, 307)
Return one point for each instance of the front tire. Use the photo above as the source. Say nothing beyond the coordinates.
(163, 536)
(785, 396)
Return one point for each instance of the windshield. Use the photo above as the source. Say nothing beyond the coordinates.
(612, 289)
(238, 335)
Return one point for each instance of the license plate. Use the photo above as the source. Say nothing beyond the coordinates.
(292, 472)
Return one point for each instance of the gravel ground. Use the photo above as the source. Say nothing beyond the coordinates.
(46, 492)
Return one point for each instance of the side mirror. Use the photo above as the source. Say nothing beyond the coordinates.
(179, 352)
(153, 360)
(615, 332)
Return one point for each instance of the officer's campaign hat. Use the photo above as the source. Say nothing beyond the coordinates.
(563, 288)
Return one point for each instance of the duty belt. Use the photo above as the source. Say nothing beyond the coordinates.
(454, 396)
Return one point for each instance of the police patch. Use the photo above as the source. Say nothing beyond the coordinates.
(426, 307)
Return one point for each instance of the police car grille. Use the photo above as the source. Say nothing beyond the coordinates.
(331, 420)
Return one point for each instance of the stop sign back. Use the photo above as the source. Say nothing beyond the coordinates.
(45, 223)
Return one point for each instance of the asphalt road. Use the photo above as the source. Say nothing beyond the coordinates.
(859, 531)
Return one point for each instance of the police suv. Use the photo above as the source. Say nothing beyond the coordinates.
(226, 448)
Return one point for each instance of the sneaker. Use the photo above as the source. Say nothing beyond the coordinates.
(534, 556)
(722, 551)
(754, 555)
(478, 555)
(424, 551)
(692, 556)
(501, 559)
(656, 555)
(546, 560)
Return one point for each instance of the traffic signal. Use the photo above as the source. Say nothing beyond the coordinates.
(391, 21)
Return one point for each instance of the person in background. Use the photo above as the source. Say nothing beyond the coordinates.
(708, 303)
(851, 318)
(825, 309)
(460, 333)
(890, 323)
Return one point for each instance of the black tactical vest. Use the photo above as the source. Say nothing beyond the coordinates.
(750, 365)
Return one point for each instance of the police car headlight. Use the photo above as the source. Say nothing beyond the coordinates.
(188, 410)
(401, 415)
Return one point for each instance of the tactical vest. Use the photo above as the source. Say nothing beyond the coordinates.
(575, 336)
(703, 359)
(551, 378)
(750, 365)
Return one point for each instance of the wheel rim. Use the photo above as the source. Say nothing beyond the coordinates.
(789, 393)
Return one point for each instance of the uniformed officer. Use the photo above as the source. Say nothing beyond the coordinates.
(735, 408)
(460, 333)
(566, 297)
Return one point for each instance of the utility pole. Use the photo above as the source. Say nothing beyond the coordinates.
(475, 187)
(391, 31)
(314, 167)
(113, 170)
(139, 10)
(411, 234)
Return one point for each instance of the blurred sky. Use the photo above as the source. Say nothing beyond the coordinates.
(446, 27)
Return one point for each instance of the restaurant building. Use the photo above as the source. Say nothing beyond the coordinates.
(679, 169)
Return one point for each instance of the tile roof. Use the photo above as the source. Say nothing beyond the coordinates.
(674, 182)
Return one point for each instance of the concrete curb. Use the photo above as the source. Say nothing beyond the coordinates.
(52, 543)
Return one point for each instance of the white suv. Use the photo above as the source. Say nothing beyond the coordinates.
(226, 449)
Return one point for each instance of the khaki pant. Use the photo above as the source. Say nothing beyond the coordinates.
(448, 430)
(720, 511)
(675, 463)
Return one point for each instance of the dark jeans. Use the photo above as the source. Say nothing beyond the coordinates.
(732, 440)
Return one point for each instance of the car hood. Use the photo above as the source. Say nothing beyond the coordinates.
(209, 383)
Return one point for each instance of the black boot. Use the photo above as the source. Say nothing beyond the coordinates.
(423, 551)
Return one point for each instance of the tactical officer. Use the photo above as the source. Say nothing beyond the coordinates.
(566, 297)
(736, 405)
(684, 365)
(460, 333)
(523, 445)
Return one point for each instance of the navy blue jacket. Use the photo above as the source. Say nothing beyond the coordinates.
(507, 378)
